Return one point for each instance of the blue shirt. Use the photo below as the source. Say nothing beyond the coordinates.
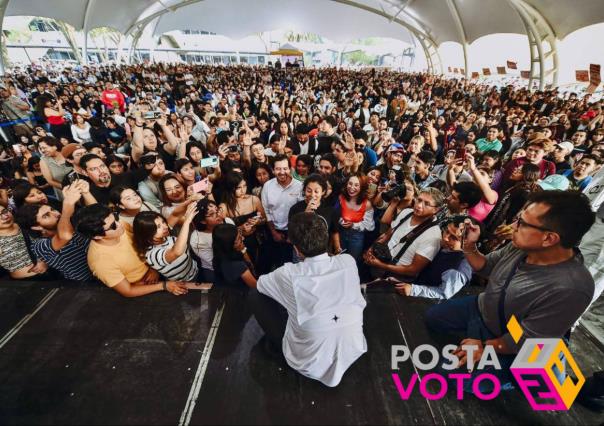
(71, 261)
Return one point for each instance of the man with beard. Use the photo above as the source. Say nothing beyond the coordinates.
(101, 181)
(278, 196)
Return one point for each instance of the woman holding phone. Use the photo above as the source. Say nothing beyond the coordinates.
(166, 254)
(244, 209)
(355, 216)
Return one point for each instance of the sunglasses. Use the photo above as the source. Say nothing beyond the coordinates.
(113, 226)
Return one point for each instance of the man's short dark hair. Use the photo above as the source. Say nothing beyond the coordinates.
(469, 193)
(331, 121)
(308, 232)
(331, 158)
(360, 134)
(90, 220)
(27, 217)
(302, 129)
(86, 158)
(280, 157)
(427, 157)
(569, 214)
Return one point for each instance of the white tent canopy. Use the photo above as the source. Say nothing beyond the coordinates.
(428, 23)
(333, 19)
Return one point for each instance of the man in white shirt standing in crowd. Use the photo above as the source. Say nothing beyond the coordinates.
(278, 195)
(314, 309)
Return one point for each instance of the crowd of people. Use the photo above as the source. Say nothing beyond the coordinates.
(155, 177)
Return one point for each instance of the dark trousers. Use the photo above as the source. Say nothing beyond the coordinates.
(270, 315)
(274, 254)
(461, 316)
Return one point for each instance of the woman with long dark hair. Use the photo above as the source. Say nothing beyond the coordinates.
(526, 177)
(244, 209)
(232, 264)
(53, 113)
(355, 216)
(53, 165)
(260, 173)
(166, 254)
(208, 217)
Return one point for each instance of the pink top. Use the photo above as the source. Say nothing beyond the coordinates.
(481, 210)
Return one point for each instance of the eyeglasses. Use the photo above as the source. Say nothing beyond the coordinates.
(522, 222)
(424, 202)
(5, 212)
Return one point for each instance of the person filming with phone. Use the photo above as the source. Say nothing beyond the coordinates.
(539, 279)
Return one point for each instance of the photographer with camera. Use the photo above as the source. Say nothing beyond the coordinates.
(413, 240)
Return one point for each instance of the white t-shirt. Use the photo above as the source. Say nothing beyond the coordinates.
(201, 245)
(426, 245)
(324, 332)
(595, 190)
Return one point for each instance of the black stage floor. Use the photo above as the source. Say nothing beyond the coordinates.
(88, 356)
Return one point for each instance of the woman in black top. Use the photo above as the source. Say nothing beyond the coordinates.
(231, 263)
(314, 190)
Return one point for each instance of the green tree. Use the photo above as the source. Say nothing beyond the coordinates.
(105, 34)
(358, 57)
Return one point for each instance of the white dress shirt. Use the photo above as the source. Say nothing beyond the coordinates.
(324, 332)
(277, 200)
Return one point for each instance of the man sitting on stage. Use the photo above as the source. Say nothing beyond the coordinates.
(321, 328)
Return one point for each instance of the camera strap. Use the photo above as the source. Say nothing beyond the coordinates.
(412, 235)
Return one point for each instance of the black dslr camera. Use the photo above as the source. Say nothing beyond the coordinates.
(397, 191)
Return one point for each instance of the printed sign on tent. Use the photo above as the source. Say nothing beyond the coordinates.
(595, 77)
(456, 71)
(501, 70)
(582, 76)
(486, 71)
(525, 74)
(463, 71)
(512, 65)
(594, 74)
(475, 74)
(449, 69)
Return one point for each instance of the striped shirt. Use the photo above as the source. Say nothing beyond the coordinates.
(184, 268)
(13, 252)
(71, 261)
